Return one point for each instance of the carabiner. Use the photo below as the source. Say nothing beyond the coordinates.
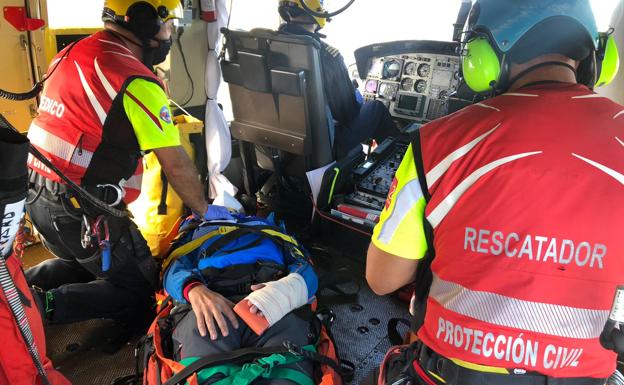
(121, 193)
(104, 243)
(86, 240)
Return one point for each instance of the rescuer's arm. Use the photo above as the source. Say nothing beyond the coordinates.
(381, 265)
(183, 177)
(147, 107)
(398, 241)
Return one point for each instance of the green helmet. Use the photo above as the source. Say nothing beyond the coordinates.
(499, 32)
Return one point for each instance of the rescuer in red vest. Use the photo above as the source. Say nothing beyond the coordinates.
(520, 200)
(23, 359)
(101, 109)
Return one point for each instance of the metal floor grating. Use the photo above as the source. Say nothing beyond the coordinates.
(361, 329)
(77, 351)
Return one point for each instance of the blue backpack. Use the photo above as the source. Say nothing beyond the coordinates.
(232, 256)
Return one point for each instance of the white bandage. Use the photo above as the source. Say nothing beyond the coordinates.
(279, 298)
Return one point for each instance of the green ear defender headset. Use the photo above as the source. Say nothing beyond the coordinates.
(481, 65)
(610, 63)
(498, 30)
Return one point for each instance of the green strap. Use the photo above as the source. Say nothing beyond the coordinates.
(266, 367)
(295, 376)
(205, 374)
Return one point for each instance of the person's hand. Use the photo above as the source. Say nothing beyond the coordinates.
(210, 308)
(253, 309)
(214, 213)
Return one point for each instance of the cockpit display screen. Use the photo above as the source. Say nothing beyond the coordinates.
(371, 86)
(408, 103)
(442, 78)
(376, 68)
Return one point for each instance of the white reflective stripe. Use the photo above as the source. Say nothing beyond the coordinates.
(612, 173)
(134, 182)
(107, 86)
(405, 200)
(58, 147)
(92, 99)
(444, 165)
(116, 44)
(589, 96)
(618, 114)
(519, 94)
(486, 106)
(620, 140)
(122, 54)
(537, 317)
(440, 212)
(54, 62)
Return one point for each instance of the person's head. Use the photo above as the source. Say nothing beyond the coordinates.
(151, 21)
(292, 12)
(508, 39)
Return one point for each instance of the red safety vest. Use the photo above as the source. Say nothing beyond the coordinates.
(526, 206)
(74, 128)
(16, 363)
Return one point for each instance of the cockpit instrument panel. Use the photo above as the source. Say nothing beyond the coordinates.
(391, 69)
(414, 86)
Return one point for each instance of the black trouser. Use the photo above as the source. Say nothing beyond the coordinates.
(373, 121)
(189, 343)
(80, 288)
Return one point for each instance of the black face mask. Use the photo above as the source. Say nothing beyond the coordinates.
(155, 55)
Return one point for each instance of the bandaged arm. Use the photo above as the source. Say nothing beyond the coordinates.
(278, 298)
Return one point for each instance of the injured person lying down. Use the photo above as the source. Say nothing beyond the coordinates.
(247, 283)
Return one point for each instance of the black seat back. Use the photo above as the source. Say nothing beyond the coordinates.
(277, 96)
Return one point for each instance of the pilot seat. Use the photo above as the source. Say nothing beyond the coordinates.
(280, 114)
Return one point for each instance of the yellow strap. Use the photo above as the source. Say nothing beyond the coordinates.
(194, 244)
(281, 235)
(480, 368)
(432, 374)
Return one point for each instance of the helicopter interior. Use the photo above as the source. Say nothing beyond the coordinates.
(282, 144)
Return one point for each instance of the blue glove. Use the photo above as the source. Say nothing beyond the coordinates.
(217, 213)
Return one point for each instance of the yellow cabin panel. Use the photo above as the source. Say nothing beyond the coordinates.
(19, 68)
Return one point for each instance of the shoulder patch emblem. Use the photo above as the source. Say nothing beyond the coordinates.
(391, 193)
(165, 115)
